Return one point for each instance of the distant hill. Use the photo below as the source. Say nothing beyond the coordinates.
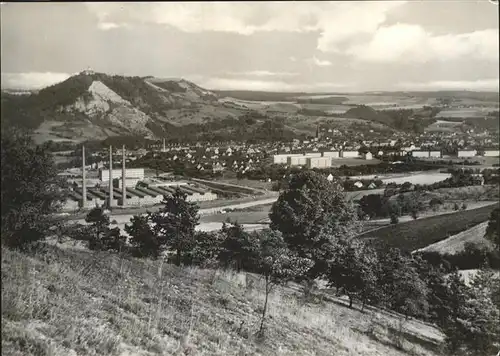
(367, 113)
(97, 105)
(258, 95)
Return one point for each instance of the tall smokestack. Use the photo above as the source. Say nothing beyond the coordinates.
(124, 190)
(84, 184)
(110, 176)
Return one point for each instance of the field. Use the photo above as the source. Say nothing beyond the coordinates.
(474, 193)
(466, 112)
(417, 234)
(255, 184)
(73, 302)
(420, 178)
(353, 162)
(443, 126)
(456, 243)
(413, 178)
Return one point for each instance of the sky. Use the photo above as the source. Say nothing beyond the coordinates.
(269, 46)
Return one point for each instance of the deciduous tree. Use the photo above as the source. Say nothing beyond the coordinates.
(276, 263)
(311, 214)
(493, 229)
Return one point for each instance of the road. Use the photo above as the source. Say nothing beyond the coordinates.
(121, 217)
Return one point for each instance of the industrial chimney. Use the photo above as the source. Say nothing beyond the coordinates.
(84, 184)
(124, 190)
(110, 176)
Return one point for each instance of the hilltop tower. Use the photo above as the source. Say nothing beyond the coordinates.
(87, 71)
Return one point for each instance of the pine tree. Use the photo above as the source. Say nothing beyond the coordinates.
(30, 189)
(237, 247)
(143, 237)
(102, 237)
(175, 223)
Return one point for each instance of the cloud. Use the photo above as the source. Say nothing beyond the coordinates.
(263, 73)
(32, 80)
(482, 84)
(319, 62)
(411, 43)
(108, 26)
(335, 22)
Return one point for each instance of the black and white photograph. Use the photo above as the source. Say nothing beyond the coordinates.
(250, 178)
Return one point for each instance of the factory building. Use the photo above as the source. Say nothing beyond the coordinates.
(318, 162)
(297, 160)
(283, 158)
(313, 154)
(426, 154)
(127, 194)
(467, 153)
(132, 176)
(349, 154)
(331, 154)
(491, 153)
(420, 154)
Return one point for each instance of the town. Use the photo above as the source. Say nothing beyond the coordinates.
(250, 178)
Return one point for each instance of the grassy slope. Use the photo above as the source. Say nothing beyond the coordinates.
(417, 234)
(69, 301)
(456, 243)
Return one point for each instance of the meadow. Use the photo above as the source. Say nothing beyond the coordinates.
(456, 243)
(65, 301)
(413, 235)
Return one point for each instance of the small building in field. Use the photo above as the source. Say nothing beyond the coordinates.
(358, 184)
(435, 154)
(368, 156)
